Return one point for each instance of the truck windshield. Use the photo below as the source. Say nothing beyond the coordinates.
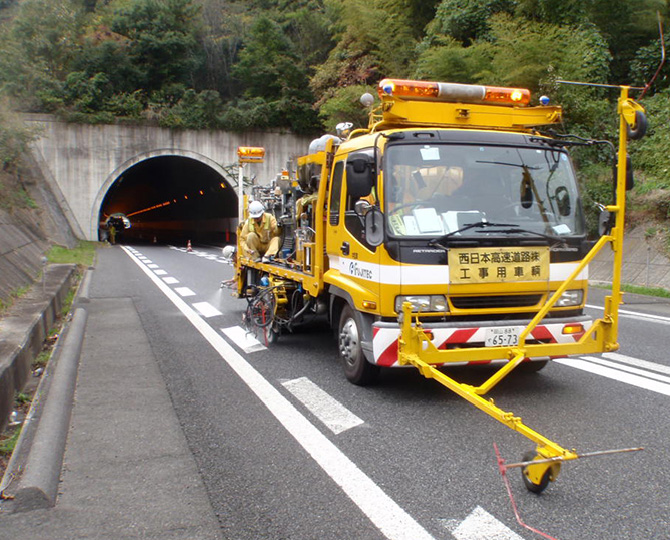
(437, 189)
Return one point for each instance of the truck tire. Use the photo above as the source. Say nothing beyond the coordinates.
(356, 368)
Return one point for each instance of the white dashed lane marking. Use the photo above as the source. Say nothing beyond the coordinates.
(480, 525)
(244, 340)
(206, 309)
(184, 291)
(170, 280)
(322, 405)
(160, 272)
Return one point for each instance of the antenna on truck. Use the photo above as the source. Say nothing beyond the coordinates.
(658, 70)
(644, 88)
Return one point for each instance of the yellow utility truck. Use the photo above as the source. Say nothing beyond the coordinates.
(450, 231)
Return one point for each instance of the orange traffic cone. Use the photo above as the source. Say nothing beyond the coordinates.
(188, 246)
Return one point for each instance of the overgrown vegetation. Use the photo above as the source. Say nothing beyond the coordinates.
(301, 65)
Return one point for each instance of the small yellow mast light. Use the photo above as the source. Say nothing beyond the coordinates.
(451, 92)
(251, 154)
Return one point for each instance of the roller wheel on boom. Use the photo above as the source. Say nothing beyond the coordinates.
(356, 368)
(272, 333)
(530, 486)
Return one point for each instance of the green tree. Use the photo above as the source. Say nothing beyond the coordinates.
(162, 38)
(466, 20)
(38, 48)
(344, 106)
(374, 40)
(269, 69)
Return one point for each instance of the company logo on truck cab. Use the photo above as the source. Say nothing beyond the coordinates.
(358, 269)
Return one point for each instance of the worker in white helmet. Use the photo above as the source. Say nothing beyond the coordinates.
(260, 235)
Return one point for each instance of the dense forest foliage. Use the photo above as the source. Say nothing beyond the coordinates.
(303, 64)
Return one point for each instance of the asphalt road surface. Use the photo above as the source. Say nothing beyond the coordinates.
(288, 449)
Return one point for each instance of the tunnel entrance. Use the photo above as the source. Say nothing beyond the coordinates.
(172, 199)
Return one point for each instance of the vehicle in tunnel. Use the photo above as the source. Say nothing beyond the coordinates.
(173, 199)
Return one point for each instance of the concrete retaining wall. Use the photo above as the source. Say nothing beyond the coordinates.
(24, 329)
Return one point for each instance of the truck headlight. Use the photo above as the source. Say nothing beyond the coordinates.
(425, 303)
(573, 297)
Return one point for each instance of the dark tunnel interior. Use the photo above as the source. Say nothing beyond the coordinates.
(171, 200)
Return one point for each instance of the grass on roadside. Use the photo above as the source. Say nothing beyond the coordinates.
(8, 443)
(14, 295)
(81, 255)
(639, 289)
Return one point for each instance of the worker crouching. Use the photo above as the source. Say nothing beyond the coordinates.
(260, 234)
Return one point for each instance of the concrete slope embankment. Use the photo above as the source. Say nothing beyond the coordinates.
(642, 264)
(22, 245)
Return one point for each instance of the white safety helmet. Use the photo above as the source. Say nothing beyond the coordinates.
(228, 252)
(256, 209)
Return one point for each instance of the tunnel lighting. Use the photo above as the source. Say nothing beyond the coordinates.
(154, 207)
(251, 154)
(451, 92)
(223, 185)
(201, 193)
(185, 196)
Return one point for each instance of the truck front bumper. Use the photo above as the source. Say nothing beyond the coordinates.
(464, 335)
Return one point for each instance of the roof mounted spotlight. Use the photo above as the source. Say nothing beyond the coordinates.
(343, 129)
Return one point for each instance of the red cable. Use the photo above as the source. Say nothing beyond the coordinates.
(503, 472)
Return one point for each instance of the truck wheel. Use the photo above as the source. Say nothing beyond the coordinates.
(532, 367)
(356, 368)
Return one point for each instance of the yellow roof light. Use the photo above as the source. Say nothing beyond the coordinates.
(250, 154)
(452, 92)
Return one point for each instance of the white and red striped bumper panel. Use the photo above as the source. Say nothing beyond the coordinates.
(385, 340)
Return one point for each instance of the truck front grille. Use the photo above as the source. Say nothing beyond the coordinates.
(490, 302)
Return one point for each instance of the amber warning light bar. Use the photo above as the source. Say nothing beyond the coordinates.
(250, 154)
(452, 92)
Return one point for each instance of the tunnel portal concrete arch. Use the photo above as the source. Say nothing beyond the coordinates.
(151, 179)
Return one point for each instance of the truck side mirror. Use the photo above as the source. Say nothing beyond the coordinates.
(374, 226)
(360, 175)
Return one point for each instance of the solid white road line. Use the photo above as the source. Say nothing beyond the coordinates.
(645, 364)
(616, 374)
(243, 339)
(392, 521)
(322, 405)
(184, 291)
(628, 369)
(647, 317)
(206, 309)
(170, 280)
(480, 525)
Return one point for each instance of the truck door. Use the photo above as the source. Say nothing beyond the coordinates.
(357, 261)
